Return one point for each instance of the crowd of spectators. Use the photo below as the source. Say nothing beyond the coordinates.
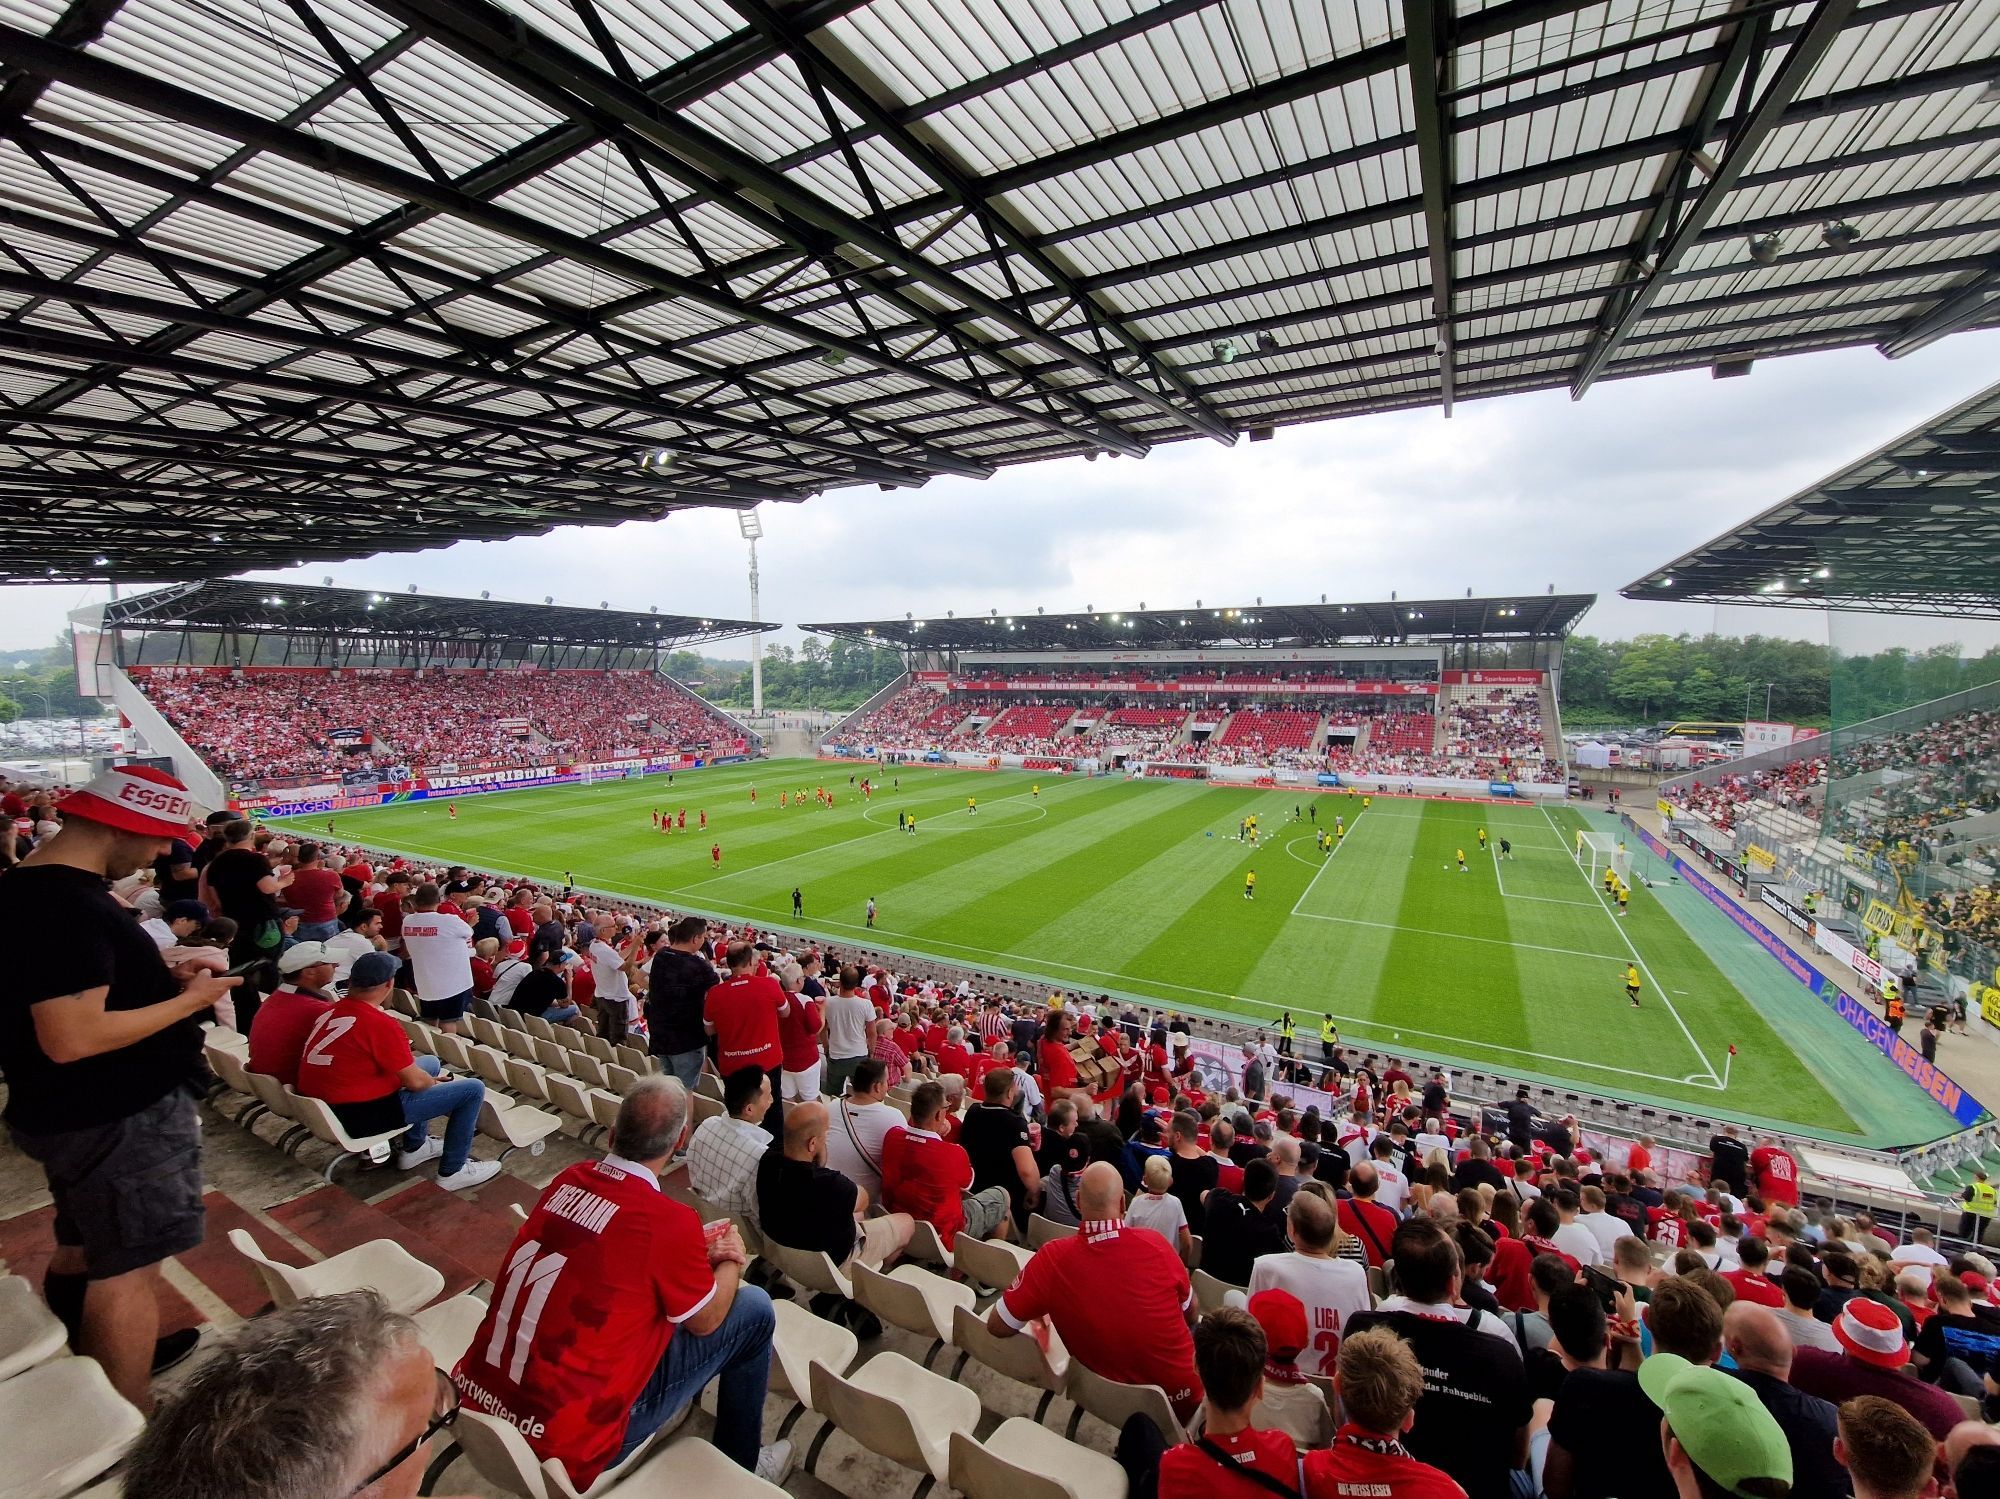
(1563, 1321)
(1499, 729)
(1798, 785)
(1496, 741)
(272, 723)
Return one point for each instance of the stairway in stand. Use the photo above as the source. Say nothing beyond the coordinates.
(463, 1235)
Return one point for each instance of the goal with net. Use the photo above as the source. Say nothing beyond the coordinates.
(1597, 852)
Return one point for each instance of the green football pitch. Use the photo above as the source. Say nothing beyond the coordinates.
(1136, 889)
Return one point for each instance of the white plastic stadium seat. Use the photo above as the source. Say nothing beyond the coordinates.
(447, 1328)
(381, 1265)
(899, 1410)
(1019, 1358)
(993, 1263)
(528, 1080)
(1024, 1460)
(519, 1126)
(30, 1333)
(61, 1425)
(914, 1299)
(318, 1117)
(500, 1453)
(1114, 1403)
(800, 1341)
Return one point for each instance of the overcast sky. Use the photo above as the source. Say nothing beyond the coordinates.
(1508, 496)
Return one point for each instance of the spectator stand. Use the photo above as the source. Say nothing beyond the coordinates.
(333, 686)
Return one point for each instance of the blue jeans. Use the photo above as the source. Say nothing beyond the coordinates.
(685, 1065)
(740, 1351)
(561, 1014)
(455, 1102)
(316, 931)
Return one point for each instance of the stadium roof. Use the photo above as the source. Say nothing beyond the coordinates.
(286, 609)
(1412, 622)
(1913, 528)
(320, 278)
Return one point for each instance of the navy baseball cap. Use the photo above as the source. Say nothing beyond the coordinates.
(185, 910)
(373, 969)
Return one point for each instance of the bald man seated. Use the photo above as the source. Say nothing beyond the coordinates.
(1120, 1298)
(1755, 1337)
(803, 1203)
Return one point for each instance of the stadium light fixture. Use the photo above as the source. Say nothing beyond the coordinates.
(1224, 350)
(1839, 235)
(99, 561)
(833, 358)
(1267, 343)
(1765, 248)
(1824, 573)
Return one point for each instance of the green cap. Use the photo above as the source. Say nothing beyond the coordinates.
(1719, 1422)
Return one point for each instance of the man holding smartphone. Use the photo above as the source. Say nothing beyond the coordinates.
(102, 1055)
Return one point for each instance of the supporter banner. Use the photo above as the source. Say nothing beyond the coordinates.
(1665, 808)
(1493, 678)
(347, 736)
(1771, 897)
(1500, 788)
(1989, 1004)
(1881, 918)
(1327, 778)
(1760, 856)
(931, 676)
(1962, 1106)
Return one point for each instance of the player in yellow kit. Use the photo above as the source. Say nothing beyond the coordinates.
(1461, 861)
(1632, 984)
(1250, 885)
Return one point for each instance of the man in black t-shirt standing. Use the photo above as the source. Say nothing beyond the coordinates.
(677, 984)
(102, 1055)
(1729, 1161)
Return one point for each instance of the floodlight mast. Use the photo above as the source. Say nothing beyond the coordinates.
(751, 524)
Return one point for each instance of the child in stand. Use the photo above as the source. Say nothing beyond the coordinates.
(1158, 1209)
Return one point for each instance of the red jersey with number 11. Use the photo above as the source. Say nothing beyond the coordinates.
(585, 1302)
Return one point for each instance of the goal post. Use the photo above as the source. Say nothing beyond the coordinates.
(1596, 852)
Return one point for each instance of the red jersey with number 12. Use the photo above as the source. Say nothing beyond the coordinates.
(586, 1300)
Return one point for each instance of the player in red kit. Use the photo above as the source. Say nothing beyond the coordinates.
(704, 820)
(715, 854)
(682, 820)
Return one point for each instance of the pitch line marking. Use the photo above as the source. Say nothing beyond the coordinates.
(1658, 988)
(1422, 931)
(1339, 844)
(1494, 849)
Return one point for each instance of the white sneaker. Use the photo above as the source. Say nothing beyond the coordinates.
(774, 1462)
(430, 1150)
(471, 1174)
